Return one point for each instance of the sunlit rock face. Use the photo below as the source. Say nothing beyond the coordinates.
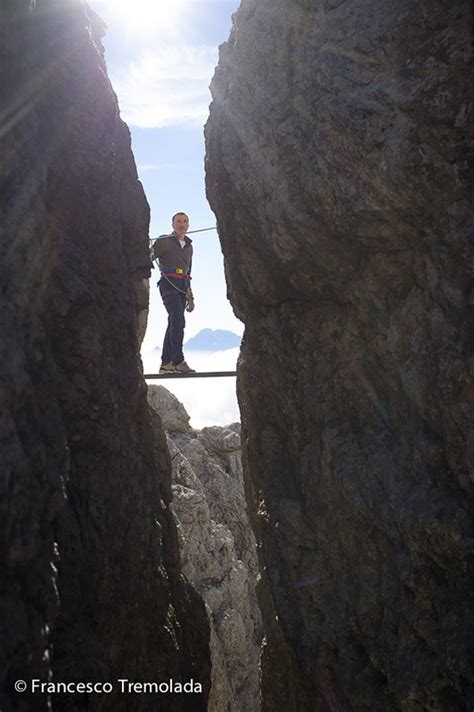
(90, 588)
(218, 551)
(338, 165)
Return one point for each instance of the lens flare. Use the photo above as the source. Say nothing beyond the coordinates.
(142, 17)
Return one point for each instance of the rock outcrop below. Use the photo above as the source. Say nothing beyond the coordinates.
(91, 589)
(339, 165)
(218, 550)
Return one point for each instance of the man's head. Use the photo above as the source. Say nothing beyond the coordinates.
(180, 222)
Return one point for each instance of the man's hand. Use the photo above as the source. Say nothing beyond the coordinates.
(189, 300)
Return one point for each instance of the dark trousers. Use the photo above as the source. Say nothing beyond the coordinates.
(175, 304)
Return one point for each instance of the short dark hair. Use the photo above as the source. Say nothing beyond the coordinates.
(176, 215)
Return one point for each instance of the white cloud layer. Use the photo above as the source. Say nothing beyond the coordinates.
(208, 401)
(166, 87)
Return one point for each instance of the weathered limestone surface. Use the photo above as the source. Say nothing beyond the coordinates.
(339, 165)
(218, 549)
(90, 585)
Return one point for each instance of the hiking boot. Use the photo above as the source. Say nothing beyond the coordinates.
(167, 368)
(183, 368)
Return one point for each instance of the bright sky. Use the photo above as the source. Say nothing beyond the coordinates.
(161, 56)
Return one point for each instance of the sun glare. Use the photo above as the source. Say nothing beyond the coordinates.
(146, 16)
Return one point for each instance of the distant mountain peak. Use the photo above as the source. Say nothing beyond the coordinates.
(213, 340)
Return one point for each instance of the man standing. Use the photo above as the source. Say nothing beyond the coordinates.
(175, 253)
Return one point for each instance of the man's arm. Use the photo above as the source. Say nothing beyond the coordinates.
(158, 248)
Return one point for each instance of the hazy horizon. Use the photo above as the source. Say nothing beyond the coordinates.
(208, 401)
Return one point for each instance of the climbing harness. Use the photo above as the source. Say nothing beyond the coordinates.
(179, 274)
(174, 285)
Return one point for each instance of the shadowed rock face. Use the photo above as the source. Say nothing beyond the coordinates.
(338, 165)
(90, 588)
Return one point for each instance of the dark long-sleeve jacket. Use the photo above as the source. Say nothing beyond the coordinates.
(171, 256)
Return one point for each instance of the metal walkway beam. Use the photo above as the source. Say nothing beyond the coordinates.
(205, 374)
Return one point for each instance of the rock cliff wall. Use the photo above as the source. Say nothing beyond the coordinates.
(339, 165)
(218, 550)
(90, 588)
